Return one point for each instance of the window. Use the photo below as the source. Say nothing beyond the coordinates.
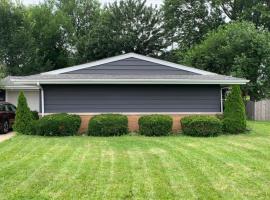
(2, 95)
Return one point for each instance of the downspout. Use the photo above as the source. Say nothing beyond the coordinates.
(221, 101)
(221, 98)
(42, 99)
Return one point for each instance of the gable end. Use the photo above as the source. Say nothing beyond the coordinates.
(133, 66)
(131, 60)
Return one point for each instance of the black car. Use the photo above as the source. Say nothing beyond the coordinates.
(7, 116)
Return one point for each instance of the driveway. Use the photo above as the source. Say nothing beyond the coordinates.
(7, 136)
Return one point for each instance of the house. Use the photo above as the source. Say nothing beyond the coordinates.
(131, 84)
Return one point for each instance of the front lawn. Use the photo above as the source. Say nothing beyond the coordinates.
(136, 167)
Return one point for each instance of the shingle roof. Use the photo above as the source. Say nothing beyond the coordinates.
(113, 76)
(132, 79)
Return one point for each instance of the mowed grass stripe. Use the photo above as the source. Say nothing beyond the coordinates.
(26, 174)
(8, 158)
(194, 170)
(6, 149)
(160, 181)
(82, 186)
(40, 177)
(25, 159)
(234, 167)
(141, 186)
(219, 175)
(119, 184)
(244, 167)
(65, 169)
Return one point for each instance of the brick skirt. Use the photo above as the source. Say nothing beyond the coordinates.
(132, 122)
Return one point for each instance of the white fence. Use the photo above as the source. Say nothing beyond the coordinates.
(259, 110)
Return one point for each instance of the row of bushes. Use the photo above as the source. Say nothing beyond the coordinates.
(115, 125)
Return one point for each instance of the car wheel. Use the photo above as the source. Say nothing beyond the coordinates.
(5, 127)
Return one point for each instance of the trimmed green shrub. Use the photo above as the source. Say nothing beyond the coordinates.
(108, 125)
(35, 115)
(234, 114)
(201, 126)
(61, 124)
(155, 125)
(24, 117)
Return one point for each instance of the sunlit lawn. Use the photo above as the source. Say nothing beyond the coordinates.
(136, 167)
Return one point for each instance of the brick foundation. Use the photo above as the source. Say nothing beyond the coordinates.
(84, 125)
(132, 123)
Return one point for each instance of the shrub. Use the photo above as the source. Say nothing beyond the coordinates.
(201, 126)
(108, 125)
(24, 117)
(155, 125)
(35, 115)
(57, 125)
(234, 114)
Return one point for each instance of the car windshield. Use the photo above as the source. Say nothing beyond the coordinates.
(2, 108)
(11, 108)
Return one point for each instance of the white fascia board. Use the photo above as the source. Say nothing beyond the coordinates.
(21, 87)
(125, 56)
(132, 81)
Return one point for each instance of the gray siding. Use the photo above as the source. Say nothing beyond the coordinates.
(131, 98)
(132, 66)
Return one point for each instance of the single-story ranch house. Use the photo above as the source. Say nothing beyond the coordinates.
(130, 84)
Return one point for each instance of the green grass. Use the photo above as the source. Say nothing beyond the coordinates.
(136, 167)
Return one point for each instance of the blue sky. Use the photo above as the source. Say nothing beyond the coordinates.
(158, 2)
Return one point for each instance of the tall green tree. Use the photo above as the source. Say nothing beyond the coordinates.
(256, 11)
(237, 49)
(126, 26)
(49, 30)
(16, 44)
(24, 117)
(32, 39)
(187, 21)
(234, 114)
(83, 17)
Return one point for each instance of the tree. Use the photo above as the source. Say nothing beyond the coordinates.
(237, 49)
(126, 26)
(187, 21)
(234, 114)
(49, 31)
(83, 16)
(24, 117)
(15, 39)
(256, 11)
(33, 39)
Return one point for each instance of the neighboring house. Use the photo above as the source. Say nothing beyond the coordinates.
(131, 84)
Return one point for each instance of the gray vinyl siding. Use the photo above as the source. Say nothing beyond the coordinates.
(131, 98)
(132, 66)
